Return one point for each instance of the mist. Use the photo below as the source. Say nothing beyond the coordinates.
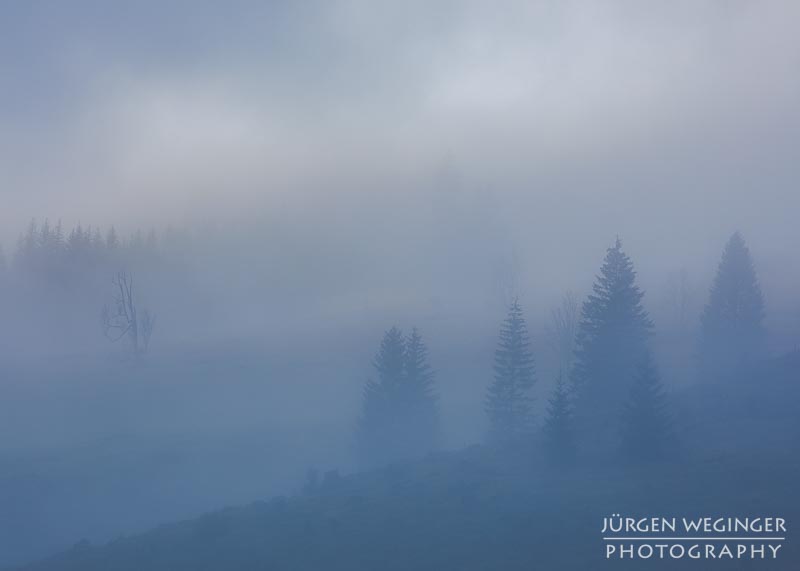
(286, 182)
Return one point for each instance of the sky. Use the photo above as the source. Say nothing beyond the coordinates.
(479, 128)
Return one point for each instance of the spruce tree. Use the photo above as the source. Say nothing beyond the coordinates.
(646, 427)
(732, 334)
(400, 409)
(508, 402)
(421, 400)
(612, 338)
(376, 425)
(558, 429)
(112, 240)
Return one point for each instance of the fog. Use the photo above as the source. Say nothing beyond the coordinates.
(314, 174)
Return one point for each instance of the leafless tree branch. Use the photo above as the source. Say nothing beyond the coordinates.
(124, 321)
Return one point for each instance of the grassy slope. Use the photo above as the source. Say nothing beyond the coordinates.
(467, 510)
(481, 509)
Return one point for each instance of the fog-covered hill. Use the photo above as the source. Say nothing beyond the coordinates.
(482, 508)
(468, 510)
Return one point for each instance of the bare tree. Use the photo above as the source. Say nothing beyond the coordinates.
(562, 329)
(126, 319)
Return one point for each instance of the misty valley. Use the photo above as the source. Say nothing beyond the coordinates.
(501, 438)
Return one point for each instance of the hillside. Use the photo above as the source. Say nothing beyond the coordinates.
(481, 508)
(468, 510)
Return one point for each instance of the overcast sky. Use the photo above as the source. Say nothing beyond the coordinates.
(494, 125)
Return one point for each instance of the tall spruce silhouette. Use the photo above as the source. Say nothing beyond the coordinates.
(400, 409)
(612, 339)
(378, 423)
(422, 402)
(646, 423)
(508, 401)
(558, 429)
(732, 331)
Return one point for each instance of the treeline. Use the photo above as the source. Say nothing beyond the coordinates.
(50, 254)
(59, 286)
(607, 395)
(608, 398)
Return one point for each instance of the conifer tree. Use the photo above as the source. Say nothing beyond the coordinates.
(558, 429)
(419, 392)
(646, 426)
(376, 419)
(400, 413)
(112, 240)
(732, 334)
(612, 338)
(98, 245)
(27, 248)
(508, 402)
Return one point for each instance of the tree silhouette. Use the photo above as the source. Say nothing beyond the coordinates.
(112, 240)
(400, 410)
(558, 429)
(612, 339)
(508, 402)
(646, 426)
(126, 319)
(732, 334)
(419, 393)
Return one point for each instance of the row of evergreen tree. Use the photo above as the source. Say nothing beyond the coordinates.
(610, 400)
(607, 396)
(50, 254)
(400, 415)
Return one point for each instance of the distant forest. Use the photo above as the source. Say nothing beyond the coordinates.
(49, 254)
(57, 282)
(607, 397)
